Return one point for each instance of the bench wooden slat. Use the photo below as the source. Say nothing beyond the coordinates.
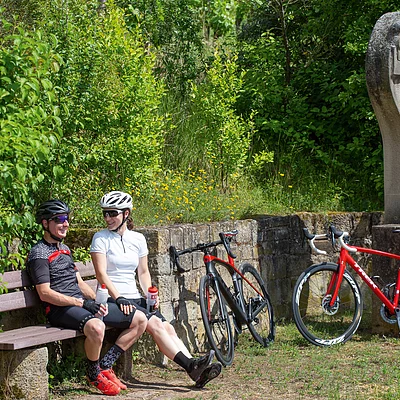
(15, 279)
(21, 295)
(27, 298)
(85, 269)
(20, 279)
(18, 300)
(37, 335)
(33, 336)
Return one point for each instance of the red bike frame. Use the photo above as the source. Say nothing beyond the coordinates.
(346, 258)
(209, 259)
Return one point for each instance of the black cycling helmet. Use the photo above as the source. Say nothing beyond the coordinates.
(50, 208)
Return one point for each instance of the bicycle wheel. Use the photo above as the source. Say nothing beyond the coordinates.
(318, 322)
(259, 308)
(216, 321)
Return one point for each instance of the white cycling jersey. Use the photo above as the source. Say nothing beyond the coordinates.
(122, 253)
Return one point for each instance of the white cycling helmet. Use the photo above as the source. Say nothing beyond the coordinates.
(116, 199)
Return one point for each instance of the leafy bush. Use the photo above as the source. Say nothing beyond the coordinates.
(30, 126)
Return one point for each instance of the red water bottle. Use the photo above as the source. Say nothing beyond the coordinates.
(152, 296)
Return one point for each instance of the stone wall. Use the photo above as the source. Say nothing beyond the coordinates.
(274, 244)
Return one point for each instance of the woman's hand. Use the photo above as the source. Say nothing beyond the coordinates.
(103, 311)
(125, 305)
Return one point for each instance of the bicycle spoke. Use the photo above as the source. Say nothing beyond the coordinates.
(318, 319)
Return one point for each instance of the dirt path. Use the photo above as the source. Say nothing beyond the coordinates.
(156, 383)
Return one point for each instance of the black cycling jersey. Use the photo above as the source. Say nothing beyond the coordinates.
(52, 263)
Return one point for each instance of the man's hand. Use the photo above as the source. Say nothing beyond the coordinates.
(125, 305)
(92, 306)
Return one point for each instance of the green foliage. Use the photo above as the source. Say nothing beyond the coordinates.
(81, 254)
(173, 30)
(68, 369)
(219, 139)
(30, 126)
(113, 131)
(192, 197)
(145, 94)
(321, 109)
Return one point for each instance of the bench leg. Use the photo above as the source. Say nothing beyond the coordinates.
(23, 374)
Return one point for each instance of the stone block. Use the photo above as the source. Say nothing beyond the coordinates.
(23, 374)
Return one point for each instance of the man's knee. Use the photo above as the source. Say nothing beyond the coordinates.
(94, 330)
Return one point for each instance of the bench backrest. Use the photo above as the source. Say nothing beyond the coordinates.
(21, 293)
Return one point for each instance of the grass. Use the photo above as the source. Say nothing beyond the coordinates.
(365, 367)
(195, 197)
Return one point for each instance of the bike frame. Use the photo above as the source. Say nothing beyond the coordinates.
(234, 300)
(346, 259)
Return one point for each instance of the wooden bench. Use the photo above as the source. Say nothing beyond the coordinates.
(23, 350)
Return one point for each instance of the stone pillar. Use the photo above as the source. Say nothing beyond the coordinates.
(23, 374)
(384, 239)
(383, 82)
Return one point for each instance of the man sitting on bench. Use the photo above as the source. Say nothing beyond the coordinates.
(70, 302)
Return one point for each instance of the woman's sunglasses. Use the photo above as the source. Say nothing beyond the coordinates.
(111, 213)
(59, 219)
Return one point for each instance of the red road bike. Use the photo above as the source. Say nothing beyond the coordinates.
(244, 295)
(327, 302)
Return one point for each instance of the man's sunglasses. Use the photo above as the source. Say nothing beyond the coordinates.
(60, 219)
(111, 213)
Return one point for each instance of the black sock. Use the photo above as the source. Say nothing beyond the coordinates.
(111, 357)
(92, 369)
(185, 362)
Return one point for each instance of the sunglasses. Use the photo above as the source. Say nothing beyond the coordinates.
(111, 213)
(60, 219)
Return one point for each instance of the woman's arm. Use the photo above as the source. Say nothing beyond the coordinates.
(100, 265)
(143, 274)
(144, 277)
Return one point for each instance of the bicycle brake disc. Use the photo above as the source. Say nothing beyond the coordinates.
(330, 310)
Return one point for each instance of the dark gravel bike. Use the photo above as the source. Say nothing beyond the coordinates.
(245, 296)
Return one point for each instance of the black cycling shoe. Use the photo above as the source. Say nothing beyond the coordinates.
(200, 364)
(208, 374)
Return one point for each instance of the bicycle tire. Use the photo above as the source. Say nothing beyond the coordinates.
(261, 325)
(216, 321)
(317, 322)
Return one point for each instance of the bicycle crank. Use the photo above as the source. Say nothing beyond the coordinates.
(390, 319)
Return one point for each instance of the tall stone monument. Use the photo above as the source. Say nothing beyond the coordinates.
(383, 82)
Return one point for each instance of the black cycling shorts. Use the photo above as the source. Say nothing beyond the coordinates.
(73, 317)
(70, 317)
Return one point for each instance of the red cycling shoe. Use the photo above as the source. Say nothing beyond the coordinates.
(110, 375)
(105, 385)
